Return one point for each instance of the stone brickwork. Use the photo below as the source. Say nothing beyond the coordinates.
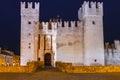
(78, 42)
(14, 69)
(29, 16)
(92, 15)
(95, 69)
(9, 60)
(6, 60)
(67, 67)
(31, 67)
(112, 53)
(1, 60)
(16, 61)
(64, 67)
(69, 42)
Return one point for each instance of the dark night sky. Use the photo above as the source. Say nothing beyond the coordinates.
(67, 9)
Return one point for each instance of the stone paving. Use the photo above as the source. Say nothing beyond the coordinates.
(53, 74)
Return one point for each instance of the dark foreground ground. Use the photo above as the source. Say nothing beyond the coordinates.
(53, 74)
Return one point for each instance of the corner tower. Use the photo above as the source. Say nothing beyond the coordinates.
(92, 16)
(29, 15)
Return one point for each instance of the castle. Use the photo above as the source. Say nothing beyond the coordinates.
(77, 42)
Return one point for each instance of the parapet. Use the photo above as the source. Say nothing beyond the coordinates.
(54, 25)
(30, 5)
(59, 24)
(91, 8)
(114, 47)
(45, 25)
(69, 24)
(65, 25)
(117, 44)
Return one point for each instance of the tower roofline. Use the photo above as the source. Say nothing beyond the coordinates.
(30, 5)
(90, 8)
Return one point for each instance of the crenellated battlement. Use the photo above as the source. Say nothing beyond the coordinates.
(117, 44)
(66, 24)
(67, 41)
(59, 27)
(115, 47)
(112, 53)
(45, 25)
(23, 4)
(29, 7)
(91, 8)
(60, 24)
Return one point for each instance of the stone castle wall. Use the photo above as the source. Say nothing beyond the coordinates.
(67, 67)
(92, 16)
(31, 67)
(64, 38)
(91, 8)
(71, 41)
(112, 53)
(6, 59)
(29, 15)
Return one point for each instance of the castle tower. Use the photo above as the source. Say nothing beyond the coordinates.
(29, 16)
(92, 17)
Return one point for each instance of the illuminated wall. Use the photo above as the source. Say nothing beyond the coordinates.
(78, 42)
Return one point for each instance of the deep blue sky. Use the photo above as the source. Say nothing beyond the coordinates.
(67, 9)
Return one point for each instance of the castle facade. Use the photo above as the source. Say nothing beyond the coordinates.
(78, 42)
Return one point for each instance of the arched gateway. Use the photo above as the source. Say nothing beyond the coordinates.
(47, 59)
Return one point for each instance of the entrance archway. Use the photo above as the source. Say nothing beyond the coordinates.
(47, 59)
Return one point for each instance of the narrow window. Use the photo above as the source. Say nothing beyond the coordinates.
(29, 43)
(29, 34)
(29, 47)
(29, 22)
(93, 22)
(39, 59)
(95, 60)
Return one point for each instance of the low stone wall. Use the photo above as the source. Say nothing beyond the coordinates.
(64, 67)
(14, 69)
(31, 67)
(95, 69)
(67, 67)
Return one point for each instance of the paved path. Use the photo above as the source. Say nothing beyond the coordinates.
(53, 74)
